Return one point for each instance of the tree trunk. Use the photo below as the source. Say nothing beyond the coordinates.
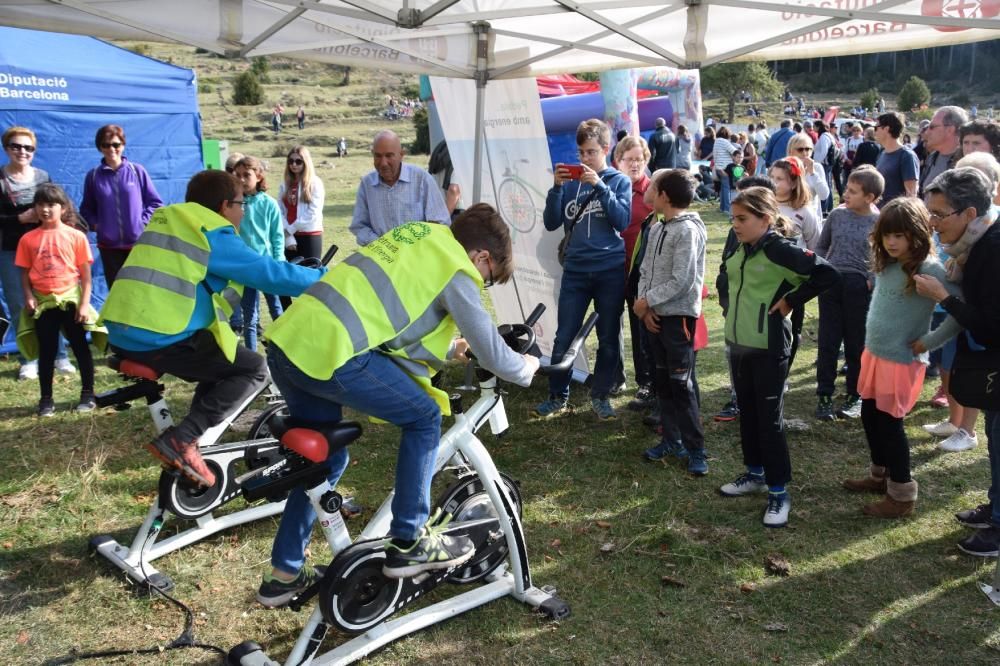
(347, 77)
(732, 109)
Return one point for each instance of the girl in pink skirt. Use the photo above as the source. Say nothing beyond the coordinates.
(891, 375)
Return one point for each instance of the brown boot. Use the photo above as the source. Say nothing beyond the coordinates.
(873, 483)
(899, 501)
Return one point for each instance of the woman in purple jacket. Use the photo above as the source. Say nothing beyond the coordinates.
(118, 199)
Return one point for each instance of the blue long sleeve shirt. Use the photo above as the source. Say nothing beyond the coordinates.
(596, 242)
(229, 259)
(261, 226)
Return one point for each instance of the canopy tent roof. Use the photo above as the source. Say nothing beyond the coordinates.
(525, 37)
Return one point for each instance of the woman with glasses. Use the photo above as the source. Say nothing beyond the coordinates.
(801, 146)
(119, 197)
(300, 199)
(18, 182)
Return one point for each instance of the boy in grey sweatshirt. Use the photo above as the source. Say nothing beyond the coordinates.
(669, 303)
(846, 245)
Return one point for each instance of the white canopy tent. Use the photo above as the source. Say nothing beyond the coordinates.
(494, 39)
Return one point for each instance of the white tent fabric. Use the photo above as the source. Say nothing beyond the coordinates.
(524, 37)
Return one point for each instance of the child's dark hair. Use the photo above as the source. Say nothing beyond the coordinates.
(480, 227)
(761, 202)
(679, 187)
(593, 129)
(907, 216)
(755, 181)
(51, 193)
(254, 165)
(868, 179)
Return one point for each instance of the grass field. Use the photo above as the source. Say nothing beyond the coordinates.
(683, 580)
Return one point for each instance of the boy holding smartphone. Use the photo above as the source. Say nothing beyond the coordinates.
(593, 210)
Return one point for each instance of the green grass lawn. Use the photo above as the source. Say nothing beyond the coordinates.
(859, 591)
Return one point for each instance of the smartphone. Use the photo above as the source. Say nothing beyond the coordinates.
(575, 170)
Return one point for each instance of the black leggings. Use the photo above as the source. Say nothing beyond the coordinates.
(307, 245)
(886, 441)
(47, 328)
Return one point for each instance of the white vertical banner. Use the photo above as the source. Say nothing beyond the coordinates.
(517, 174)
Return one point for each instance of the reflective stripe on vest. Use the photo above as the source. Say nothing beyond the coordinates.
(371, 299)
(157, 288)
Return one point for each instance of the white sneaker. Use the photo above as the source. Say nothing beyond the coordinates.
(63, 366)
(960, 441)
(778, 506)
(941, 429)
(28, 371)
(745, 484)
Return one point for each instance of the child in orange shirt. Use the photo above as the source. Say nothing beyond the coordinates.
(56, 259)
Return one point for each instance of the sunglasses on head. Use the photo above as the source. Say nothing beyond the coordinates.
(20, 146)
(112, 144)
(295, 161)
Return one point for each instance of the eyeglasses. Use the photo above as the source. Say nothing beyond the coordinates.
(633, 160)
(295, 162)
(936, 217)
(241, 203)
(935, 126)
(14, 147)
(803, 150)
(113, 144)
(590, 152)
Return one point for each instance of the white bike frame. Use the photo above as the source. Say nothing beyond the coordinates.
(135, 559)
(459, 446)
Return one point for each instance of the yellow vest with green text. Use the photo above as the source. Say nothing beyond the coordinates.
(374, 296)
(156, 289)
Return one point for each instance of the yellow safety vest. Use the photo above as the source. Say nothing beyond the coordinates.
(373, 297)
(156, 288)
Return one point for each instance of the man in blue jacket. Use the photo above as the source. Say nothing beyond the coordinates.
(592, 208)
(777, 145)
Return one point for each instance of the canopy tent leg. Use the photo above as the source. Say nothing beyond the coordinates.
(481, 30)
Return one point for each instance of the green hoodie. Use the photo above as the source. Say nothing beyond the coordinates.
(759, 276)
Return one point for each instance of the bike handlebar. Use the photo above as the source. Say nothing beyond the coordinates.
(574, 348)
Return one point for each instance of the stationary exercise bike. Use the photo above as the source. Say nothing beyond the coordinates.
(353, 595)
(234, 464)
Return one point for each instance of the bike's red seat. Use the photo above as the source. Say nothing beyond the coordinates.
(309, 444)
(133, 369)
(314, 443)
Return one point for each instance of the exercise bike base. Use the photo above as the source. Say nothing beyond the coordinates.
(114, 552)
(502, 585)
(135, 560)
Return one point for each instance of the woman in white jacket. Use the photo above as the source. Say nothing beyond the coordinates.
(801, 146)
(300, 199)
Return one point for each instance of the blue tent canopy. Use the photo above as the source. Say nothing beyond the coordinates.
(65, 87)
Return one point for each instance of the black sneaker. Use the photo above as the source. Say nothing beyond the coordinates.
(433, 550)
(644, 399)
(653, 418)
(46, 407)
(978, 518)
(850, 408)
(824, 408)
(87, 402)
(729, 412)
(274, 593)
(982, 543)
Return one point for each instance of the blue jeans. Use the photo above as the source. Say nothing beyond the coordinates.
(607, 291)
(725, 193)
(10, 279)
(249, 314)
(371, 383)
(993, 446)
(827, 204)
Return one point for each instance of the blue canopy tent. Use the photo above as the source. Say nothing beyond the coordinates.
(64, 87)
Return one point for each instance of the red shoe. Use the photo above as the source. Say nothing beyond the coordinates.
(185, 456)
(940, 398)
